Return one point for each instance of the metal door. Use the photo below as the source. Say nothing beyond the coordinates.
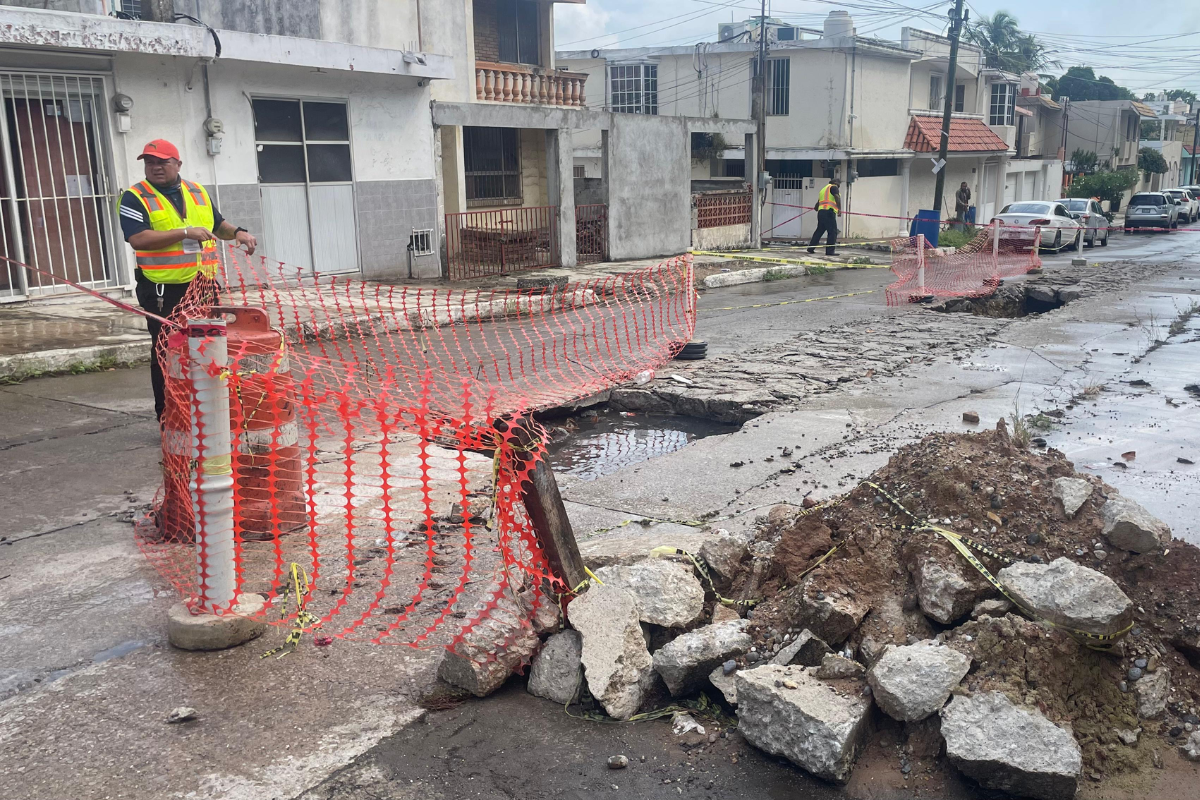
(988, 206)
(788, 218)
(57, 201)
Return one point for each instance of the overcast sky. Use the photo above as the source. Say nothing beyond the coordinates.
(1141, 44)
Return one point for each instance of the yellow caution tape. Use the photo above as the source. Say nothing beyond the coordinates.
(304, 620)
(964, 545)
(216, 465)
(793, 302)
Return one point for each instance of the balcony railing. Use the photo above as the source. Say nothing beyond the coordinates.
(515, 83)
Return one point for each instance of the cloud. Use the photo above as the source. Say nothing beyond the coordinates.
(580, 27)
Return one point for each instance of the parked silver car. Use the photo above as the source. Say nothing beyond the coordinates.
(1020, 221)
(1088, 214)
(1191, 207)
(1152, 210)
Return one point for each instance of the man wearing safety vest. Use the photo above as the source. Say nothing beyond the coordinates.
(828, 207)
(173, 226)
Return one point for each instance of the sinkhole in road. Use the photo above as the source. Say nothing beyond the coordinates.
(598, 442)
(1011, 301)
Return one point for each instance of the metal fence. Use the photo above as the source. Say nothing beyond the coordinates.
(724, 208)
(591, 233)
(481, 243)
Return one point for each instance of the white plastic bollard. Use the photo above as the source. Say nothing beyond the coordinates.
(212, 480)
(996, 241)
(921, 263)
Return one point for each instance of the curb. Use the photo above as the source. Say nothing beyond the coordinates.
(64, 360)
(755, 275)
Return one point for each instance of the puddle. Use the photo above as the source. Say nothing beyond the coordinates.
(594, 444)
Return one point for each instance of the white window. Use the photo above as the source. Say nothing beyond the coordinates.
(937, 99)
(633, 88)
(779, 85)
(1002, 110)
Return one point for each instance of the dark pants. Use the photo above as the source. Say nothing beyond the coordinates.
(149, 299)
(826, 223)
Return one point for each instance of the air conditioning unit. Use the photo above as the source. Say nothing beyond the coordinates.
(729, 30)
(786, 34)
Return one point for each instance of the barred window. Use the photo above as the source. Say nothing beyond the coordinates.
(779, 84)
(492, 165)
(1002, 110)
(633, 88)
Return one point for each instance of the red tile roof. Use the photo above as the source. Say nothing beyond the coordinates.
(966, 136)
(1188, 147)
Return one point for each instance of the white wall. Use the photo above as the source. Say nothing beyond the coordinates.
(882, 195)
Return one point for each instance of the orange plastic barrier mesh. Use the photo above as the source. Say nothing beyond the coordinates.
(380, 439)
(973, 270)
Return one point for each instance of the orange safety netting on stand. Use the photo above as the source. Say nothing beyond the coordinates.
(379, 438)
(973, 270)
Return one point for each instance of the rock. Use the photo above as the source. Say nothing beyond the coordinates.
(912, 682)
(667, 593)
(618, 762)
(971, 417)
(996, 607)
(1130, 527)
(725, 683)
(492, 650)
(616, 663)
(1009, 748)
(1069, 295)
(1073, 492)
(243, 622)
(600, 552)
(688, 660)
(870, 650)
(1191, 750)
(805, 650)
(1135, 673)
(1041, 294)
(812, 725)
(948, 587)
(1068, 594)
(831, 617)
(557, 672)
(1128, 737)
(835, 667)
(725, 555)
(1151, 693)
(723, 613)
(183, 714)
(544, 615)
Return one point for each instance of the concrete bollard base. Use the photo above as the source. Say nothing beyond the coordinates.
(189, 631)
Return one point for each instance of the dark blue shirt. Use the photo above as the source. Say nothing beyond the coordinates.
(133, 210)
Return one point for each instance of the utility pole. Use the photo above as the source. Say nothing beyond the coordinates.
(1195, 145)
(759, 96)
(957, 20)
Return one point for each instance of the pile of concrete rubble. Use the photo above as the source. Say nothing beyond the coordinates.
(897, 630)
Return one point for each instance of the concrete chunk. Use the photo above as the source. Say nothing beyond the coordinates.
(686, 661)
(833, 617)
(557, 671)
(725, 555)
(834, 667)
(948, 587)
(725, 684)
(910, 683)
(667, 593)
(1152, 692)
(1009, 748)
(1130, 527)
(615, 660)
(1073, 492)
(491, 651)
(1066, 593)
(806, 650)
(787, 711)
(189, 631)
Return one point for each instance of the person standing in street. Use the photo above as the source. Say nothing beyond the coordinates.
(172, 226)
(962, 203)
(829, 205)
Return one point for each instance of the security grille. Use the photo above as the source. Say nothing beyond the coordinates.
(421, 242)
(779, 85)
(633, 88)
(57, 202)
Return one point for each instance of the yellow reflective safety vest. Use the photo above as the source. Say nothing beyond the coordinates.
(180, 262)
(826, 199)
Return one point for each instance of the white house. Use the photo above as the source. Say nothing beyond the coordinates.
(865, 109)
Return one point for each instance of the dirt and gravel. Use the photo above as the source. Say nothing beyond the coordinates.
(990, 487)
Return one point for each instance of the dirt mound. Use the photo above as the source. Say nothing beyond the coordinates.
(984, 486)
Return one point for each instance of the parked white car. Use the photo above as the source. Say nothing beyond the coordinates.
(1089, 215)
(1020, 221)
(1190, 210)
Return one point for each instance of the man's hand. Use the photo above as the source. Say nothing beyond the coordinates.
(198, 234)
(247, 241)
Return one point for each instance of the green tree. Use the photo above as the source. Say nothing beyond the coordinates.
(1150, 160)
(1149, 128)
(1081, 83)
(1005, 46)
(1108, 186)
(1084, 161)
(1182, 94)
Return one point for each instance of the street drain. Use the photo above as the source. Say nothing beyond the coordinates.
(1017, 300)
(595, 443)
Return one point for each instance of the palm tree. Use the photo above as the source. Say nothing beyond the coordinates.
(1005, 46)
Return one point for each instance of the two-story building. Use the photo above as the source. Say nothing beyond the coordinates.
(837, 103)
(1172, 117)
(388, 139)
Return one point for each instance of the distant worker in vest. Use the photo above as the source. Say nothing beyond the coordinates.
(173, 226)
(829, 205)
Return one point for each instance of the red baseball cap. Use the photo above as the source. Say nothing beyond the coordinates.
(160, 148)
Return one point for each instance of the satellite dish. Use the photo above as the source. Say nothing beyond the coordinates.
(595, 53)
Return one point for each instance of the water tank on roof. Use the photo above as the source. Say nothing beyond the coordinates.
(838, 24)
